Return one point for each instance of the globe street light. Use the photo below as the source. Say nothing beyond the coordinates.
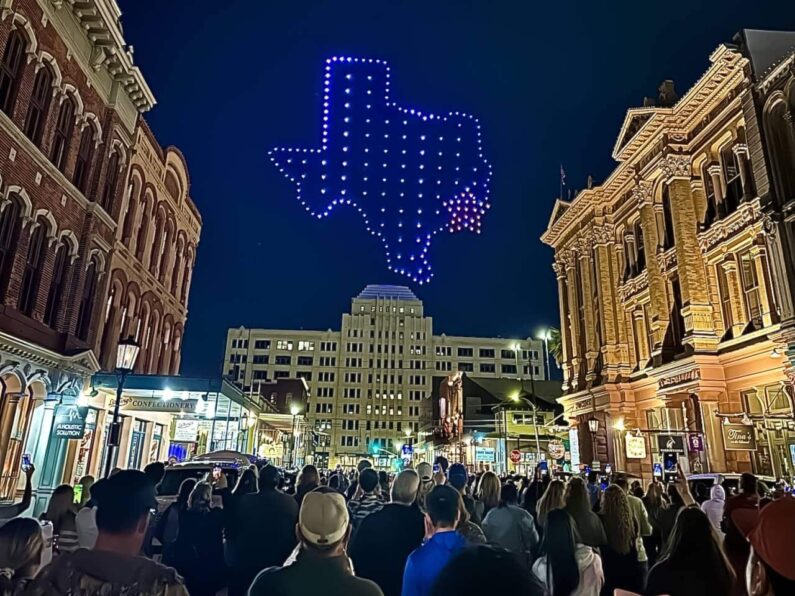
(126, 355)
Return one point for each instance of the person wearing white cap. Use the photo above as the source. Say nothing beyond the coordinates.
(322, 566)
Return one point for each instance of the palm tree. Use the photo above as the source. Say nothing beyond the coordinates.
(555, 345)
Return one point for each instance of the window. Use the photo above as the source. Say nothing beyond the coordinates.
(56, 286)
(725, 299)
(328, 346)
(283, 360)
(731, 175)
(443, 365)
(283, 344)
(109, 190)
(63, 134)
(260, 359)
(32, 274)
(10, 224)
(260, 375)
(262, 344)
(83, 164)
(486, 352)
(281, 374)
(304, 374)
(87, 300)
(507, 354)
(39, 105)
(487, 368)
(305, 360)
(466, 367)
(306, 346)
(326, 377)
(465, 352)
(11, 71)
(328, 361)
(750, 283)
(507, 369)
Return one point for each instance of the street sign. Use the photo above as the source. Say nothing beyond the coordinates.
(516, 456)
(695, 442)
(485, 454)
(70, 422)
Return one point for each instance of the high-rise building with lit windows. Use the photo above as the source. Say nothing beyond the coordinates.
(370, 382)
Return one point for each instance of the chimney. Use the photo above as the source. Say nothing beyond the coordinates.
(668, 96)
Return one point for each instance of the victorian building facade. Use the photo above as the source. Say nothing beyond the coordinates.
(71, 102)
(670, 294)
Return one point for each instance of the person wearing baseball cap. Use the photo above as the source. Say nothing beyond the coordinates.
(769, 531)
(457, 477)
(321, 566)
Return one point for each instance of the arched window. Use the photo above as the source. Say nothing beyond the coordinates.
(57, 286)
(731, 177)
(10, 224)
(145, 207)
(63, 134)
(781, 142)
(112, 175)
(83, 164)
(11, 71)
(33, 264)
(39, 106)
(87, 300)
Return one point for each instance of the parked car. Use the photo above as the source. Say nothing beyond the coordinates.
(730, 482)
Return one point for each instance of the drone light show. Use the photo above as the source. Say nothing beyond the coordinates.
(409, 173)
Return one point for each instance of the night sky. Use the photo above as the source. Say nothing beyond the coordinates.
(549, 82)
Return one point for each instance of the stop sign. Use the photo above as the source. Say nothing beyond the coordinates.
(516, 456)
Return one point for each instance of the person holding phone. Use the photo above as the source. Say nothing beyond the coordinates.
(16, 509)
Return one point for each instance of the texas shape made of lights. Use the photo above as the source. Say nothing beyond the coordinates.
(410, 174)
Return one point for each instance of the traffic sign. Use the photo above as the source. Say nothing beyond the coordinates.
(516, 456)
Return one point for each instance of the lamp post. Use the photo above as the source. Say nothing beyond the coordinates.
(544, 336)
(294, 410)
(593, 427)
(126, 355)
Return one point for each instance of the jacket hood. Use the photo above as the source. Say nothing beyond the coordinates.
(584, 555)
(717, 492)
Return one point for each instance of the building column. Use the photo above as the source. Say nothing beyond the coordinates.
(735, 296)
(657, 290)
(696, 309)
(8, 410)
(563, 309)
(604, 242)
(639, 327)
(621, 319)
(574, 322)
(759, 256)
(743, 159)
(591, 348)
(715, 174)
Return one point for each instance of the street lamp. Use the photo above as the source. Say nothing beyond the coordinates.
(126, 355)
(294, 410)
(545, 336)
(593, 427)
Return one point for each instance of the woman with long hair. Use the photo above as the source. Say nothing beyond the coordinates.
(199, 549)
(619, 553)
(567, 568)
(21, 545)
(466, 527)
(488, 493)
(656, 506)
(167, 529)
(246, 483)
(308, 480)
(693, 563)
(62, 511)
(552, 499)
(588, 526)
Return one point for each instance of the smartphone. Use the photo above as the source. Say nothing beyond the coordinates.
(543, 467)
(436, 468)
(658, 470)
(78, 490)
(26, 462)
(608, 469)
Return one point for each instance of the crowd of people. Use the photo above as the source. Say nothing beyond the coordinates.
(429, 531)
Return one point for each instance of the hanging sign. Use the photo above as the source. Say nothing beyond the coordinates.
(673, 443)
(574, 447)
(70, 422)
(185, 431)
(695, 442)
(738, 437)
(636, 446)
(556, 449)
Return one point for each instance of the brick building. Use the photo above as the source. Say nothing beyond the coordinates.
(671, 278)
(71, 101)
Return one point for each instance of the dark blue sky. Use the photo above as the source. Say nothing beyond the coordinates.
(550, 83)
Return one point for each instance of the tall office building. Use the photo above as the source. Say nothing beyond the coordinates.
(371, 382)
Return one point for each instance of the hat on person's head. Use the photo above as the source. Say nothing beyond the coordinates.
(363, 465)
(323, 519)
(128, 489)
(425, 471)
(457, 476)
(770, 531)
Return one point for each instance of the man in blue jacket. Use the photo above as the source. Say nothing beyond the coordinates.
(442, 542)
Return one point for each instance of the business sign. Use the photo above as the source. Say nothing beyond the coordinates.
(485, 454)
(695, 442)
(556, 449)
(70, 422)
(574, 447)
(185, 431)
(154, 404)
(636, 446)
(681, 378)
(671, 443)
(738, 437)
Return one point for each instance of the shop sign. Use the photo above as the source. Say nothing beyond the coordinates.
(484, 454)
(681, 378)
(70, 422)
(155, 404)
(738, 437)
(556, 449)
(695, 442)
(574, 447)
(636, 447)
(185, 431)
(671, 443)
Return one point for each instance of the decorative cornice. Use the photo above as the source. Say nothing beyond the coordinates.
(604, 235)
(746, 215)
(584, 242)
(676, 165)
(633, 286)
(642, 193)
(666, 260)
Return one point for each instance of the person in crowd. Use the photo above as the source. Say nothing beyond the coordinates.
(167, 528)
(488, 494)
(636, 489)
(259, 529)
(21, 545)
(86, 520)
(442, 542)
(589, 527)
(702, 493)
(467, 528)
(693, 563)
(199, 548)
(735, 544)
(86, 482)
(619, 554)
(714, 506)
(61, 512)
(124, 505)
(425, 472)
(535, 491)
(335, 482)
(457, 477)
(320, 566)
(655, 504)
(484, 570)
(553, 498)
(368, 499)
(15, 509)
(667, 517)
(308, 480)
(383, 483)
(567, 567)
(510, 526)
(246, 483)
(641, 518)
(594, 490)
(155, 472)
(386, 538)
(771, 561)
